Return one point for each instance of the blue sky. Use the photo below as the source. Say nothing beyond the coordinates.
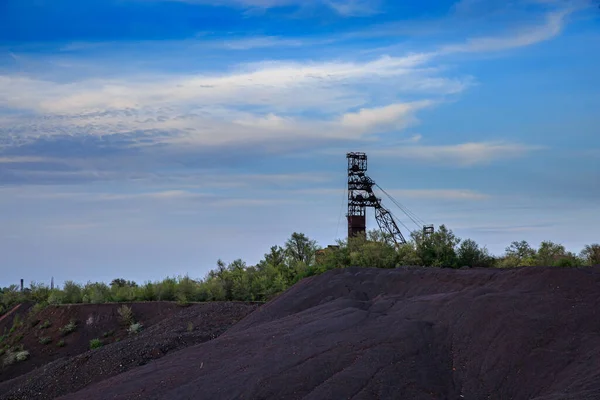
(146, 138)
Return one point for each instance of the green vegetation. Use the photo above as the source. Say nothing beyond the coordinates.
(299, 257)
(125, 315)
(135, 328)
(13, 356)
(95, 344)
(45, 340)
(61, 343)
(69, 328)
(45, 325)
(108, 334)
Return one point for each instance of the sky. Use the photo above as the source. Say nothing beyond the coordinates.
(149, 138)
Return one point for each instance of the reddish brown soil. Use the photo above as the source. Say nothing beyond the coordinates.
(93, 320)
(531, 333)
(167, 327)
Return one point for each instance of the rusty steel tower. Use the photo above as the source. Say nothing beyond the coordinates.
(361, 196)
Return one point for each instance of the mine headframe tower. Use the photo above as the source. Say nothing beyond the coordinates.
(361, 196)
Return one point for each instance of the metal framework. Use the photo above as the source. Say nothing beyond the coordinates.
(361, 196)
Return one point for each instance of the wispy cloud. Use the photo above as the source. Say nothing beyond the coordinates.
(464, 154)
(423, 194)
(257, 42)
(348, 8)
(552, 26)
(439, 194)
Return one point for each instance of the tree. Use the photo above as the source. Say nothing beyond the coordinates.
(438, 248)
(470, 254)
(518, 254)
(591, 254)
(300, 248)
(276, 256)
(550, 253)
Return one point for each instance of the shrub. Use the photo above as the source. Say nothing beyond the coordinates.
(72, 293)
(34, 322)
(38, 307)
(190, 327)
(13, 357)
(125, 315)
(56, 297)
(10, 358)
(45, 325)
(69, 328)
(95, 344)
(135, 328)
(45, 340)
(17, 323)
(61, 343)
(22, 355)
(107, 334)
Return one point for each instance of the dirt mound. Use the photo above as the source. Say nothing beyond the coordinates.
(168, 327)
(531, 333)
(92, 321)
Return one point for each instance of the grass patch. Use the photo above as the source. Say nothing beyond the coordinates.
(45, 340)
(125, 314)
(135, 328)
(45, 325)
(95, 344)
(13, 357)
(69, 328)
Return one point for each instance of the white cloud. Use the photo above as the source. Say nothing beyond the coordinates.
(465, 154)
(439, 194)
(343, 7)
(21, 159)
(257, 42)
(554, 23)
(393, 116)
(281, 85)
(424, 194)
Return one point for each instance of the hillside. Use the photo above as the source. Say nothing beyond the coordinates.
(528, 333)
(53, 370)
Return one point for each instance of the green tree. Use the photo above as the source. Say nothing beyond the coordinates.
(470, 254)
(518, 254)
(72, 293)
(591, 254)
(437, 249)
(549, 253)
(299, 248)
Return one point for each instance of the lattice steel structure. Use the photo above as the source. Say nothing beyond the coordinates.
(361, 196)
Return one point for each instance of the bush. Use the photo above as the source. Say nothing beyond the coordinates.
(45, 340)
(13, 357)
(56, 297)
(38, 307)
(95, 344)
(125, 315)
(22, 355)
(135, 328)
(61, 343)
(69, 328)
(190, 327)
(10, 358)
(107, 334)
(45, 325)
